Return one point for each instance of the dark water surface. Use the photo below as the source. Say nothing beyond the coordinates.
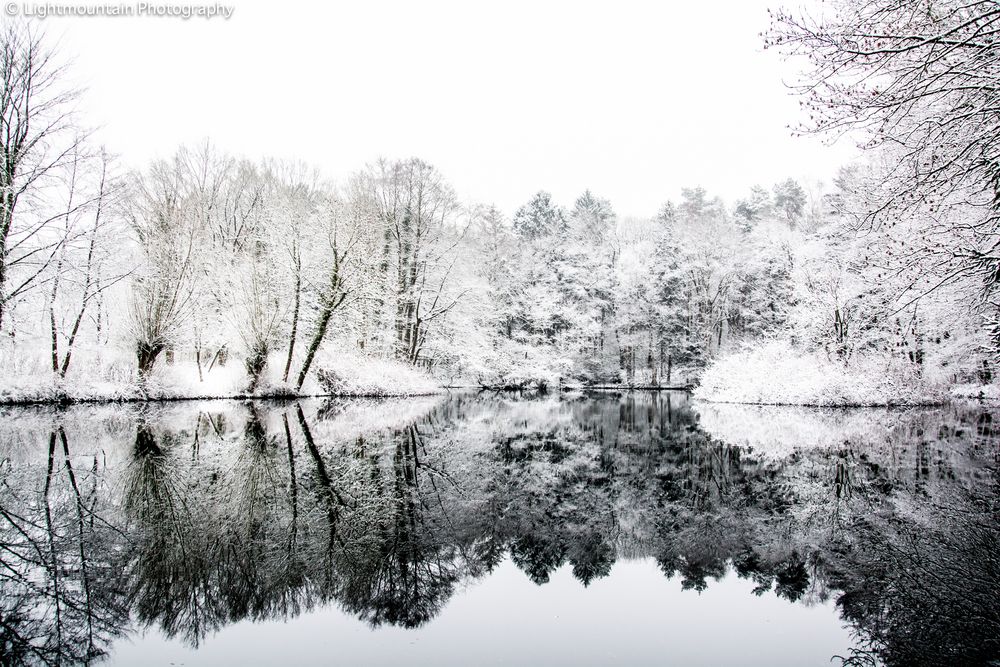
(484, 529)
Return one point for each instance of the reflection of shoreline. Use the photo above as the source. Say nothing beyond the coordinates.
(135, 396)
(946, 439)
(777, 431)
(193, 517)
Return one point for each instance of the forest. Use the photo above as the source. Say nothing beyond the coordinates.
(209, 274)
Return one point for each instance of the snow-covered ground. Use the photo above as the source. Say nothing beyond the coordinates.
(115, 379)
(774, 374)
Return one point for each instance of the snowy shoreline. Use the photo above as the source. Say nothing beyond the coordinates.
(115, 381)
(282, 393)
(769, 376)
(277, 396)
(984, 396)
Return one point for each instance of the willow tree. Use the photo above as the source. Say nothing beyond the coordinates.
(170, 236)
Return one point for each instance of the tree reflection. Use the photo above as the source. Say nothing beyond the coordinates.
(190, 519)
(59, 602)
(922, 589)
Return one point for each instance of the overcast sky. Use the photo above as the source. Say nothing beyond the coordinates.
(633, 100)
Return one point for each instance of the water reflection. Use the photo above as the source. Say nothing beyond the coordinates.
(192, 517)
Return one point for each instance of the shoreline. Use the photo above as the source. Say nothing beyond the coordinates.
(66, 401)
(289, 396)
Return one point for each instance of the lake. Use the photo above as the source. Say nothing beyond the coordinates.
(481, 528)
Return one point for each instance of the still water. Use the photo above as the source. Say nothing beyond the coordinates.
(498, 529)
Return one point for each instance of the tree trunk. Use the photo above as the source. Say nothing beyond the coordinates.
(88, 279)
(146, 355)
(321, 324)
(255, 363)
(295, 323)
(3, 278)
(7, 202)
(55, 335)
(334, 297)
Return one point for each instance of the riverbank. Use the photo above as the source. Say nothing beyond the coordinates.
(60, 393)
(761, 377)
(115, 381)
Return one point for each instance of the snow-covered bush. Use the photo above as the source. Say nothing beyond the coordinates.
(110, 374)
(26, 376)
(778, 374)
(349, 374)
(517, 365)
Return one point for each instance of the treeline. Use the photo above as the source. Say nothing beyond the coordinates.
(204, 255)
(583, 296)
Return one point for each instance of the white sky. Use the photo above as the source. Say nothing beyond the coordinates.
(631, 99)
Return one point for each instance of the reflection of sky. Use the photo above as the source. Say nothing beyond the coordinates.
(636, 616)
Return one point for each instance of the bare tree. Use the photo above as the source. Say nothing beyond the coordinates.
(414, 209)
(923, 76)
(91, 275)
(295, 196)
(36, 122)
(920, 80)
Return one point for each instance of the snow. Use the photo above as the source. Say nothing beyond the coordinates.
(27, 379)
(778, 374)
(984, 392)
(349, 374)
